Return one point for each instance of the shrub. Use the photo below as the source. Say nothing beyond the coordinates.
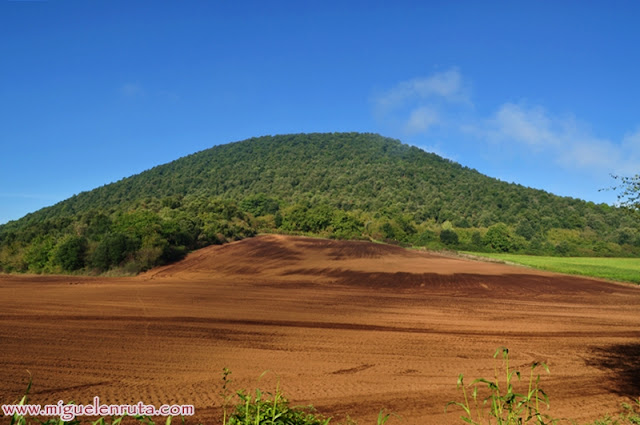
(70, 253)
(449, 237)
(113, 250)
(499, 238)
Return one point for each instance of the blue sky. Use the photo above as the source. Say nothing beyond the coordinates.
(541, 93)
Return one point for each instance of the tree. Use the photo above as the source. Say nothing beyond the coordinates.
(112, 250)
(346, 226)
(303, 217)
(500, 238)
(449, 237)
(525, 229)
(476, 239)
(39, 253)
(629, 191)
(260, 205)
(70, 253)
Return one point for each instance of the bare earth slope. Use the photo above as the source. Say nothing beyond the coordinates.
(351, 327)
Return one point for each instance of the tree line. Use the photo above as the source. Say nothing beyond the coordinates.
(162, 230)
(337, 185)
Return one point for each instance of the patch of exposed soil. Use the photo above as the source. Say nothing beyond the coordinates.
(351, 327)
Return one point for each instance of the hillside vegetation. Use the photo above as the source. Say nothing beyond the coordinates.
(339, 185)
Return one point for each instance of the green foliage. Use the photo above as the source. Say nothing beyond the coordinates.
(628, 191)
(172, 202)
(264, 408)
(113, 250)
(526, 229)
(424, 237)
(272, 409)
(476, 239)
(501, 402)
(97, 224)
(38, 254)
(137, 223)
(627, 236)
(306, 218)
(563, 248)
(388, 231)
(260, 204)
(504, 403)
(70, 252)
(629, 416)
(346, 225)
(449, 237)
(339, 185)
(499, 238)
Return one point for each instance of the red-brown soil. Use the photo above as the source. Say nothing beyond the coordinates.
(350, 327)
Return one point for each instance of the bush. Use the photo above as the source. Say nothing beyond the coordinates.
(70, 253)
(260, 205)
(449, 237)
(476, 239)
(499, 238)
(422, 239)
(113, 250)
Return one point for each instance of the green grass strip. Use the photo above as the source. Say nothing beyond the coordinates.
(619, 269)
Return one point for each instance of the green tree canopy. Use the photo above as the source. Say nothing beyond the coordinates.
(70, 252)
(499, 238)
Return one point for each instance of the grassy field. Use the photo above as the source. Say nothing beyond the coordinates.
(620, 269)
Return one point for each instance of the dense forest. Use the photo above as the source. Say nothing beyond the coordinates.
(340, 185)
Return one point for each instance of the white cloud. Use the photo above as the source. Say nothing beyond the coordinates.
(421, 119)
(631, 141)
(591, 154)
(440, 105)
(532, 127)
(446, 85)
(418, 105)
(566, 141)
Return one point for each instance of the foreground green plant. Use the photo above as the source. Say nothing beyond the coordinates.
(629, 416)
(266, 408)
(272, 409)
(503, 405)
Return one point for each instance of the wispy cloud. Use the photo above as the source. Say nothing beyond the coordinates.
(421, 119)
(564, 140)
(415, 105)
(631, 142)
(528, 126)
(445, 85)
(442, 101)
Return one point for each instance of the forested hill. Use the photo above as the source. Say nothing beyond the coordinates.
(345, 185)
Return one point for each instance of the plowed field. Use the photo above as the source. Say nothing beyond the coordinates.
(350, 327)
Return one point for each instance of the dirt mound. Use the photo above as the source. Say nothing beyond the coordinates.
(285, 256)
(285, 260)
(269, 252)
